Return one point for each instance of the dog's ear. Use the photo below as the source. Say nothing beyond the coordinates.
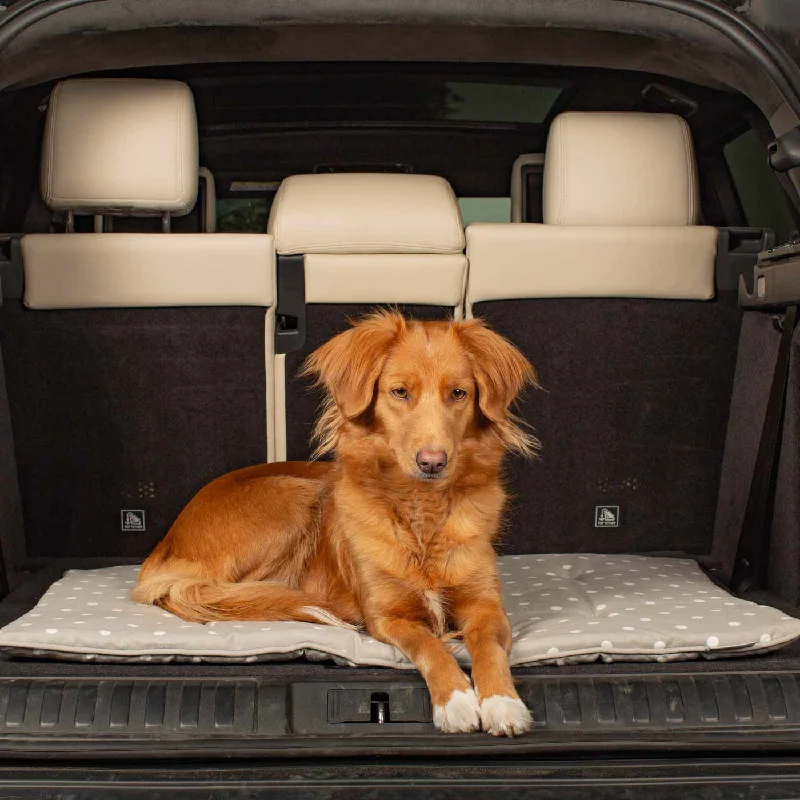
(501, 373)
(350, 364)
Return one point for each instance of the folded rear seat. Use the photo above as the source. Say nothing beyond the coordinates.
(362, 240)
(135, 360)
(613, 298)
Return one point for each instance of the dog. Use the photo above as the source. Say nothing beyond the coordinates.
(395, 534)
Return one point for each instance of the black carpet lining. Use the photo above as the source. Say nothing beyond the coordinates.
(120, 409)
(632, 417)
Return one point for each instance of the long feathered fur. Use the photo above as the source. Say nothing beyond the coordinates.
(502, 373)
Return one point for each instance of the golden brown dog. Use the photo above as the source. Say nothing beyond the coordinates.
(395, 534)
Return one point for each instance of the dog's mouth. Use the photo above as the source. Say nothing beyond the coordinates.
(430, 477)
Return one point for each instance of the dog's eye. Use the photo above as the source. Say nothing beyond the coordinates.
(458, 394)
(400, 394)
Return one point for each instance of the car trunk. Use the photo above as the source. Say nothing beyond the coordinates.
(111, 411)
(86, 423)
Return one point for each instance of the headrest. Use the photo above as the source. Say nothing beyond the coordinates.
(120, 147)
(620, 169)
(366, 213)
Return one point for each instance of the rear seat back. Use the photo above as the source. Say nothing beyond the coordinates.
(603, 298)
(137, 360)
(365, 240)
(620, 213)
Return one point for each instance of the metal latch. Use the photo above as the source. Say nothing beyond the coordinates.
(367, 706)
(379, 708)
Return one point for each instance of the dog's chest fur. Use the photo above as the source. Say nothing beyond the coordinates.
(420, 519)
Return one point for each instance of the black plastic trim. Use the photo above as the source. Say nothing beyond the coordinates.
(774, 281)
(18, 19)
(12, 276)
(290, 314)
(738, 249)
(784, 152)
(246, 717)
(609, 778)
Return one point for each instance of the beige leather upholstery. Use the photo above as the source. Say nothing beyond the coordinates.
(620, 198)
(366, 213)
(120, 146)
(129, 147)
(394, 278)
(118, 270)
(534, 261)
(620, 169)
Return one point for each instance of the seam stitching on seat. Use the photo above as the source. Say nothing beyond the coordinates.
(689, 169)
(51, 145)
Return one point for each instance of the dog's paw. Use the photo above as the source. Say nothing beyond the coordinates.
(505, 716)
(461, 713)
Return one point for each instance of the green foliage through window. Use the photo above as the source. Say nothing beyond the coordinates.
(242, 214)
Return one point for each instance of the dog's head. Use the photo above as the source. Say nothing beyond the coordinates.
(419, 392)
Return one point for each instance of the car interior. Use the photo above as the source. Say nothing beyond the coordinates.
(176, 239)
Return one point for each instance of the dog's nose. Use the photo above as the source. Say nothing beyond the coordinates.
(431, 462)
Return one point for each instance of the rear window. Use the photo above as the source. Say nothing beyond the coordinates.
(243, 214)
(250, 214)
(349, 98)
(485, 209)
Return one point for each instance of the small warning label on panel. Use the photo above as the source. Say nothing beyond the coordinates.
(132, 520)
(606, 517)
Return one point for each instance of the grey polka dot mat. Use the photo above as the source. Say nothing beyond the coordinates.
(564, 609)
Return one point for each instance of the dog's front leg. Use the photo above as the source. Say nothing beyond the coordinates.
(455, 705)
(478, 611)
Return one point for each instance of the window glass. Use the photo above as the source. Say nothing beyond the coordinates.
(498, 102)
(350, 98)
(485, 209)
(763, 201)
(250, 214)
(242, 214)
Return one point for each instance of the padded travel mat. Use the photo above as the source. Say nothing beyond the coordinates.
(564, 609)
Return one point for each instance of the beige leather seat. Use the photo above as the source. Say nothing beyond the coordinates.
(129, 148)
(620, 218)
(366, 240)
(613, 300)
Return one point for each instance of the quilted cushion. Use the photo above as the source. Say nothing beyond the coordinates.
(563, 609)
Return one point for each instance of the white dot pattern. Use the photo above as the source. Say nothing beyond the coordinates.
(562, 609)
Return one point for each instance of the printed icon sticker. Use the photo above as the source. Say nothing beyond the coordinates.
(132, 520)
(606, 517)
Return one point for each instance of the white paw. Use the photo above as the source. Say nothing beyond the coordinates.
(461, 713)
(505, 716)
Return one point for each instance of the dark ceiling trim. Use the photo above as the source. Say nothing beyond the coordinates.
(24, 14)
(772, 59)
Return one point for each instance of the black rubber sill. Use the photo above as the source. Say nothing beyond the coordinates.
(254, 717)
(609, 779)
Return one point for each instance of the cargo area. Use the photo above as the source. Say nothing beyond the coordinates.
(117, 399)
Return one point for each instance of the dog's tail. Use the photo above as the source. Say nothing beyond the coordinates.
(198, 600)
